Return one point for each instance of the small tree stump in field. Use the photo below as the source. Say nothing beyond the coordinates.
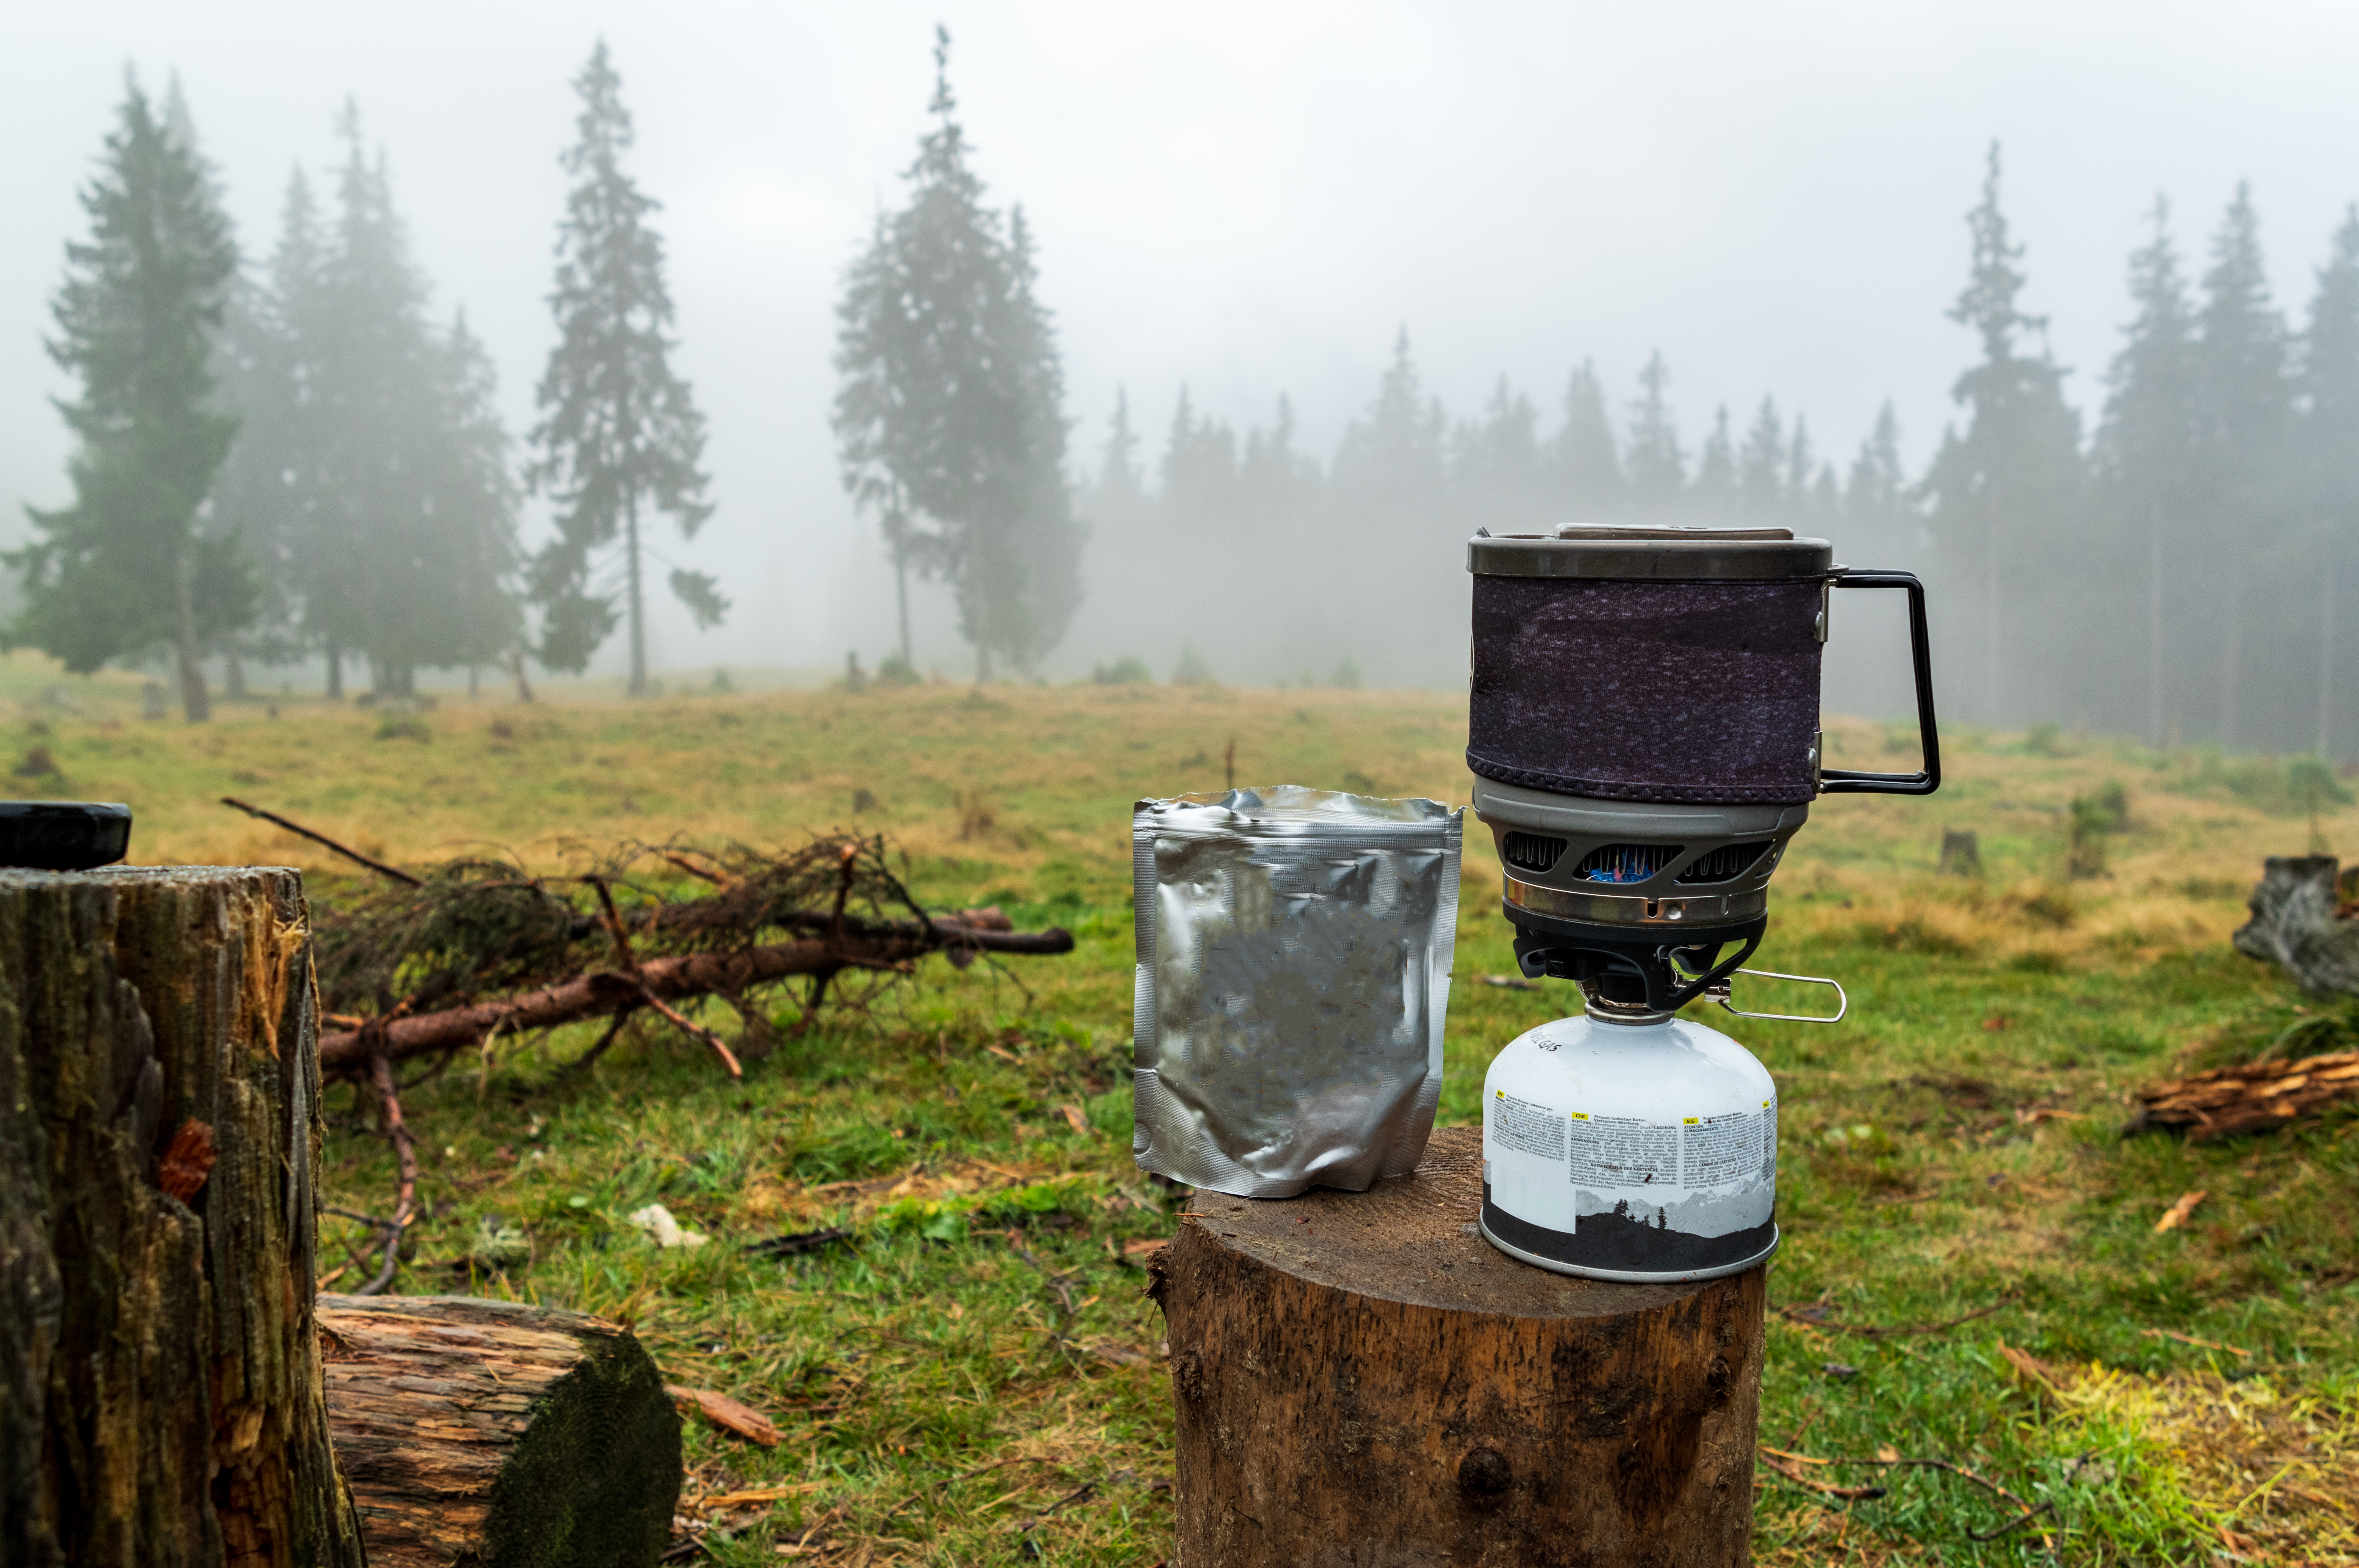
(2301, 922)
(1360, 1379)
(1961, 852)
(161, 1401)
(498, 1436)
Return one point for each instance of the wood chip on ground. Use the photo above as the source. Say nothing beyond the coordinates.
(727, 1413)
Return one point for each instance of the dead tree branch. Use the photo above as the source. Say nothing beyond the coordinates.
(659, 979)
(379, 867)
(405, 1148)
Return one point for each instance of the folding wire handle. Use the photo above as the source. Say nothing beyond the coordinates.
(1719, 994)
(1844, 781)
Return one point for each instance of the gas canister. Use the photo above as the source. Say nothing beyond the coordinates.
(1643, 1149)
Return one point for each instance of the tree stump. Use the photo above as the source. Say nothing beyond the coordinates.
(160, 1400)
(1360, 1379)
(1961, 852)
(498, 1436)
(2303, 922)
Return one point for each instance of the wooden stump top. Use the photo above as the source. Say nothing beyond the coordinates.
(1413, 1239)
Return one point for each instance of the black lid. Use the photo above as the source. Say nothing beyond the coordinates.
(1660, 555)
(63, 835)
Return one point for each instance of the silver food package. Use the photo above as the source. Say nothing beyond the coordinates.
(1294, 949)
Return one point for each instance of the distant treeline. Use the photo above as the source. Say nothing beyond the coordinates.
(2173, 575)
(296, 459)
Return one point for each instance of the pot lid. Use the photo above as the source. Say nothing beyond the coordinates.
(1676, 555)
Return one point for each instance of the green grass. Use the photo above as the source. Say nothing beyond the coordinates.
(972, 1379)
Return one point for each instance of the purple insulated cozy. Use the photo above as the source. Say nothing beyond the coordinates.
(1662, 665)
(1653, 691)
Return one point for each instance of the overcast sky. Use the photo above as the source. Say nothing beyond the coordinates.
(1247, 199)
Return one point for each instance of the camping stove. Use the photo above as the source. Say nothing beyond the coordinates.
(1644, 733)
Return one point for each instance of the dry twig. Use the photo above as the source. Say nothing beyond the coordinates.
(404, 1147)
(1789, 1465)
(379, 867)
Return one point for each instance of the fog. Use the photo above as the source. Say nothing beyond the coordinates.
(1242, 200)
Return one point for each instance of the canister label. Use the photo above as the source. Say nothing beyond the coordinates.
(1647, 1195)
(1529, 1128)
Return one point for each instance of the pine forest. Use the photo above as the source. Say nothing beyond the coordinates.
(292, 459)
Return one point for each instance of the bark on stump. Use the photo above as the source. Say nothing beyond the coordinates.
(498, 1436)
(2303, 921)
(160, 1400)
(1360, 1379)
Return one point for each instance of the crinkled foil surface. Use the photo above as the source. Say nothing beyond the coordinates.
(1294, 949)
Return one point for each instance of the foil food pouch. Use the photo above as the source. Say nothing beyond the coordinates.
(1294, 949)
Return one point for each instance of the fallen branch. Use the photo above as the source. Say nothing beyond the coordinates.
(1789, 1465)
(630, 963)
(688, 976)
(379, 867)
(404, 1147)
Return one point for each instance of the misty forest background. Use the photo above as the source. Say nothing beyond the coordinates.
(285, 462)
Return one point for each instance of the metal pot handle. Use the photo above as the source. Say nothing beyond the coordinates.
(1844, 781)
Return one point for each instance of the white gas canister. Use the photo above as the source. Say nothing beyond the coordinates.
(1645, 1152)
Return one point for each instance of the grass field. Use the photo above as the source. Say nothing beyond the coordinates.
(974, 1379)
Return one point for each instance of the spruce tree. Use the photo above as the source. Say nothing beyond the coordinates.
(239, 356)
(1801, 462)
(129, 565)
(1200, 471)
(1388, 492)
(1281, 484)
(402, 503)
(1761, 467)
(620, 435)
(1116, 500)
(2003, 493)
(267, 486)
(1031, 558)
(470, 544)
(2330, 467)
(1496, 464)
(1715, 497)
(1655, 465)
(1878, 486)
(2143, 453)
(1823, 506)
(2244, 422)
(947, 416)
(1393, 457)
(1876, 510)
(1588, 485)
(1119, 477)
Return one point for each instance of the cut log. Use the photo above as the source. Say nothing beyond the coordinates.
(2303, 923)
(498, 1436)
(161, 1400)
(2259, 1097)
(1362, 1379)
